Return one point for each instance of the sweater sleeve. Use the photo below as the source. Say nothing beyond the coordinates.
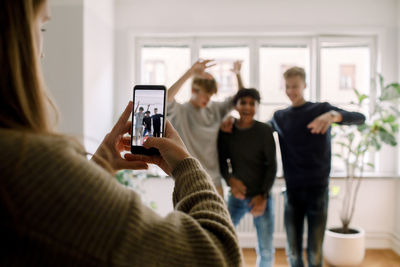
(197, 233)
(271, 165)
(348, 118)
(77, 210)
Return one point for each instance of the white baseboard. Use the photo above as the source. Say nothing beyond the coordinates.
(373, 240)
(396, 243)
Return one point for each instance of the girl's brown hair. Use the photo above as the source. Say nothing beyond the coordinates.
(24, 102)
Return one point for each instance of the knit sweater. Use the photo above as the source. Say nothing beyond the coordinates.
(58, 208)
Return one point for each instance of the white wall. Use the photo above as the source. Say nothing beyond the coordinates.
(63, 69)
(78, 66)
(98, 70)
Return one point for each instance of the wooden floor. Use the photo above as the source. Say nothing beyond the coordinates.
(373, 258)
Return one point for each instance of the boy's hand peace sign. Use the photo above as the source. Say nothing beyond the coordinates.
(199, 68)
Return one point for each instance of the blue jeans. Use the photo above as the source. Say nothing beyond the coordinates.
(264, 225)
(312, 204)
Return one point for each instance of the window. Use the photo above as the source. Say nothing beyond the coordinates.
(274, 61)
(334, 67)
(344, 68)
(225, 56)
(163, 65)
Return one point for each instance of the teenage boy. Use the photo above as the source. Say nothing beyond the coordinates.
(198, 120)
(139, 123)
(147, 124)
(250, 148)
(156, 123)
(305, 142)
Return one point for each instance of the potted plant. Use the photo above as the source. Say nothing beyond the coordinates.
(344, 245)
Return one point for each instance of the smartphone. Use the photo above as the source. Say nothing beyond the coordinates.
(148, 116)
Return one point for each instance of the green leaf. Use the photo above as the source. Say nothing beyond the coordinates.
(395, 128)
(338, 155)
(381, 81)
(389, 119)
(395, 86)
(387, 137)
(371, 165)
(362, 127)
(343, 144)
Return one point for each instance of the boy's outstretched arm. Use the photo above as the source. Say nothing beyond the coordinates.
(321, 124)
(198, 69)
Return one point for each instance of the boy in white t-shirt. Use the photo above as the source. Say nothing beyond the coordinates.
(198, 121)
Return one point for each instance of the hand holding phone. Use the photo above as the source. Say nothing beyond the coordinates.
(108, 154)
(172, 150)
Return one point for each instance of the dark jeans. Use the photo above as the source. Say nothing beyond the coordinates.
(264, 225)
(156, 132)
(312, 204)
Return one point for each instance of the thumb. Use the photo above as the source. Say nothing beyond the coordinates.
(153, 142)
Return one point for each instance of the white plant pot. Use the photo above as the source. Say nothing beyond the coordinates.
(344, 249)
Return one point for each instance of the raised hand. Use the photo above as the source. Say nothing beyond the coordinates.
(199, 68)
(237, 66)
(227, 124)
(321, 124)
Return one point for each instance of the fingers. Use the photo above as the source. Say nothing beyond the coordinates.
(127, 128)
(122, 164)
(315, 126)
(154, 142)
(211, 65)
(122, 121)
(242, 188)
(126, 140)
(227, 125)
(143, 158)
(255, 212)
(204, 62)
(236, 193)
(325, 128)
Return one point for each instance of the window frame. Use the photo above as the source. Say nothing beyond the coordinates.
(255, 42)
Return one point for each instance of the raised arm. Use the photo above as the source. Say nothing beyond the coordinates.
(198, 69)
(237, 66)
(136, 107)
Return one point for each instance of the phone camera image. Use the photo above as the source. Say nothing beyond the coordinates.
(148, 115)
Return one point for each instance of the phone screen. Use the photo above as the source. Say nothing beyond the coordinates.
(148, 116)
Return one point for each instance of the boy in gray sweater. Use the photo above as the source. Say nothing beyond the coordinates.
(198, 120)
